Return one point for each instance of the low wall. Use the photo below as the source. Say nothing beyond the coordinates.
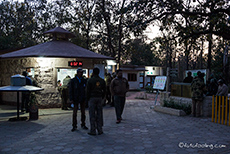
(206, 107)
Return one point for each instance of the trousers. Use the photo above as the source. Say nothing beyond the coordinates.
(119, 103)
(196, 107)
(95, 114)
(82, 108)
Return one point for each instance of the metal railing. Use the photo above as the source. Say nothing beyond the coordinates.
(220, 110)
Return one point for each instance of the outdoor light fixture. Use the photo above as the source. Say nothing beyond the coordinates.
(44, 61)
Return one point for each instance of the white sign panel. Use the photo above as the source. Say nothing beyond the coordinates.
(160, 82)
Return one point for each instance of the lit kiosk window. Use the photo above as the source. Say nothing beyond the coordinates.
(63, 72)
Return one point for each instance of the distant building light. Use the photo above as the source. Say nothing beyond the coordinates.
(111, 62)
(108, 67)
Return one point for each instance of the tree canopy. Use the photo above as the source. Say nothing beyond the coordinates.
(115, 28)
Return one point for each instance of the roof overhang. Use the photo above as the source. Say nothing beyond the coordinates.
(61, 49)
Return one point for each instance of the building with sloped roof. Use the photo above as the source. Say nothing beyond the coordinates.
(47, 63)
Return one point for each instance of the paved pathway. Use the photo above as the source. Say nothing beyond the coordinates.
(142, 131)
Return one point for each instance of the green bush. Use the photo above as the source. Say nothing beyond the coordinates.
(149, 89)
(172, 104)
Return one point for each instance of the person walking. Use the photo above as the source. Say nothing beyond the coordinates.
(119, 87)
(95, 92)
(76, 97)
(197, 88)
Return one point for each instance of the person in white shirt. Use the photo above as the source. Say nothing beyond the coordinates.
(222, 89)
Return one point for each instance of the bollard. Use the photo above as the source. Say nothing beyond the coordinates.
(33, 113)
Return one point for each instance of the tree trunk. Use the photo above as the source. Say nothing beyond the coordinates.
(107, 22)
(201, 53)
(209, 52)
(120, 34)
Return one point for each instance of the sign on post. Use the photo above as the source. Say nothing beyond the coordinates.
(159, 82)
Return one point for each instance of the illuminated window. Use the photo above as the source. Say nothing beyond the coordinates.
(132, 77)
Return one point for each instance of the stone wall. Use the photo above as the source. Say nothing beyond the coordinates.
(44, 71)
(206, 108)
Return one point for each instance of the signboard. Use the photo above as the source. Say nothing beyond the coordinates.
(75, 63)
(160, 82)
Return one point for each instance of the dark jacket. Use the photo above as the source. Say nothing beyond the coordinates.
(28, 81)
(119, 87)
(95, 87)
(77, 90)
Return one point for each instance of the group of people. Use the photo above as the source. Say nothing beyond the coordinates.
(92, 91)
(199, 89)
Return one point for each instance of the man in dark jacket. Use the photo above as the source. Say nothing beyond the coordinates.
(119, 87)
(77, 96)
(95, 92)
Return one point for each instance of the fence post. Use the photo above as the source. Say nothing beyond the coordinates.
(226, 111)
(216, 110)
(213, 108)
(219, 110)
(229, 115)
(222, 117)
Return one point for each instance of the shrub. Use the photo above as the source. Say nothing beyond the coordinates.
(149, 89)
(172, 104)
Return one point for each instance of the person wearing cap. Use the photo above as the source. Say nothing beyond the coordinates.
(77, 96)
(197, 88)
(222, 88)
(26, 95)
(95, 92)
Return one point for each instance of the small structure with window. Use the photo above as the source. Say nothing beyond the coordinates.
(140, 76)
